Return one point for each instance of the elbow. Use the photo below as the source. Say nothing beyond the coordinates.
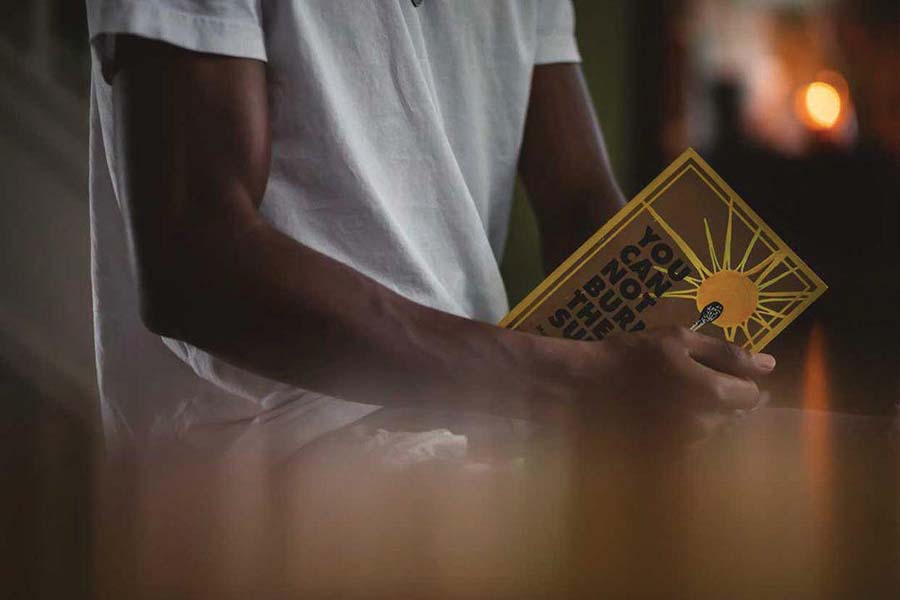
(186, 289)
(163, 310)
(180, 309)
(167, 290)
(160, 319)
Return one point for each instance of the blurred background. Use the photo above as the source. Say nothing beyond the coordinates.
(795, 102)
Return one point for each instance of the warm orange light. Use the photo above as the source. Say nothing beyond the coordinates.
(815, 372)
(822, 102)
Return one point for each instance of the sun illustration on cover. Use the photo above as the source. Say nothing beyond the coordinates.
(756, 294)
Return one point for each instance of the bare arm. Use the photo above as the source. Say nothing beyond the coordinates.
(563, 162)
(193, 143)
(193, 149)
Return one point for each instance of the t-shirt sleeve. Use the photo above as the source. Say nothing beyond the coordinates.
(556, 33)
(228, 27)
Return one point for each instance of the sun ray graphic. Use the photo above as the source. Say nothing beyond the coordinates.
(751, 290)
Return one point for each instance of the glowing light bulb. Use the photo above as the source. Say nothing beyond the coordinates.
(823, 104)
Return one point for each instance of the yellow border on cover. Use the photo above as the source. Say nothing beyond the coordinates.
(640, 203)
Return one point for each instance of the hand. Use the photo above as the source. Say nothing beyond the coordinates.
(669, 380)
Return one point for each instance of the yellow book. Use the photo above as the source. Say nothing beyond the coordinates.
(685, 242)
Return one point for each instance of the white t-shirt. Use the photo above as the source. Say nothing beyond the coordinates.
(395, 136)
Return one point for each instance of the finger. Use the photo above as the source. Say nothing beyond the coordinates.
(708, 423)
(728, 358)
(714, 390)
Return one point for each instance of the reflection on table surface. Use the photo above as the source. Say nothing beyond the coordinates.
(785, 503)
(782, 503)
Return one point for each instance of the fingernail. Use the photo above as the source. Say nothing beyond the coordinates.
(764, 361)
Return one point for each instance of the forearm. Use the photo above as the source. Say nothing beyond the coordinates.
(282, 310)
(563, 231)
(564, 164)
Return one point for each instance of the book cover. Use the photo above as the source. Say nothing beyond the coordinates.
(685, 242)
